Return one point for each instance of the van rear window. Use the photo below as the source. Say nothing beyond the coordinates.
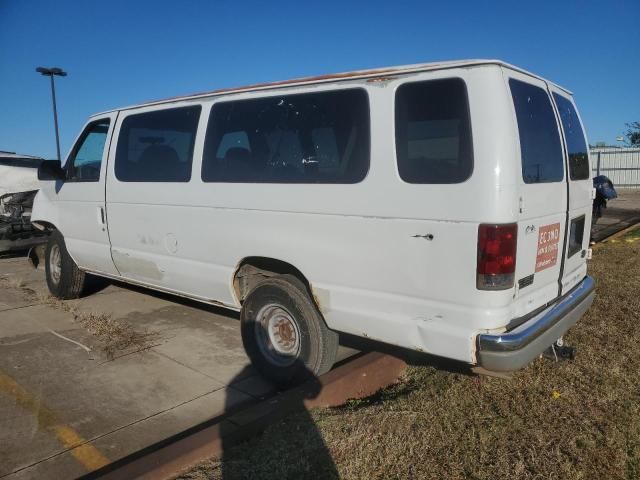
(574, 136)
(157, 146)
(318, 137)
(433, 132)
(540, 148)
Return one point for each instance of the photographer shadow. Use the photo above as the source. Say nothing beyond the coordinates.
(286, 442)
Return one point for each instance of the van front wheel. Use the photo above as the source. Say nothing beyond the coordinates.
(64, 279)
(283, 332)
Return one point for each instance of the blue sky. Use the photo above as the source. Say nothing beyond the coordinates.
(120, 52)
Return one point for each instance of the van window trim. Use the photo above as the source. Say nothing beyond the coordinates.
(408, 80)
(76, 146)
(257, 95)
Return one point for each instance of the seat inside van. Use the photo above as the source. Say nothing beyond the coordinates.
(163, 159)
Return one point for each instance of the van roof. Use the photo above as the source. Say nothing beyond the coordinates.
(336, 77)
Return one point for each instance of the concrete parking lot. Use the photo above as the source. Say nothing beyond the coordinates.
(620, 213)
(89, 381)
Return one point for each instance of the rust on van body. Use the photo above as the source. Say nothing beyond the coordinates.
(380, 77)
(280, 83)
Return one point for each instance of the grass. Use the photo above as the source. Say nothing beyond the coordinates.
(631, 236)
(571, 420)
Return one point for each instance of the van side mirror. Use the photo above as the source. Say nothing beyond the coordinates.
(51, 170)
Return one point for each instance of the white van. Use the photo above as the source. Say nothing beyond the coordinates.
(441, 207)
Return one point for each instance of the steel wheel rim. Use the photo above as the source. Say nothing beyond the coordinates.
(55, 264)
(278, 335)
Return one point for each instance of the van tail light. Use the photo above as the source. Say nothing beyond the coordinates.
(496, 256)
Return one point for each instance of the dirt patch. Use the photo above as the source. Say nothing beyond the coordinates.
(573, 420)
(18, 283)
(114, 335)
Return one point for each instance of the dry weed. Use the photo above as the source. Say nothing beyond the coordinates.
(114, 335)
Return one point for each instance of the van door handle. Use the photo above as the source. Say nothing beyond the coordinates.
(101, 215)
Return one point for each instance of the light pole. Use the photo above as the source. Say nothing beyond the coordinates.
(52, 72)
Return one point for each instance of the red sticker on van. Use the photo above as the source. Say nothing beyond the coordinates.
(548, 240)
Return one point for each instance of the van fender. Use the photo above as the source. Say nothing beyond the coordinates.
(45, 214)
(256, 267)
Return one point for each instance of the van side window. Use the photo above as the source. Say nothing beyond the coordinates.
(303, 138)
(576, 144)
(157, 146)
(86, 158)
(540, 147)
(433, 132)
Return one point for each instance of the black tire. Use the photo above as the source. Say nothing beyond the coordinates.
(284, 298)
(66, 280)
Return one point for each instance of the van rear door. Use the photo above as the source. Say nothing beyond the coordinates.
(542, 205)
(580, 187)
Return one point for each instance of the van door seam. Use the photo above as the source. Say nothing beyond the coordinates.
(106, 176)
(565, 156)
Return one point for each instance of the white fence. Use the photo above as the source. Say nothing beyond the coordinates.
(621, 165)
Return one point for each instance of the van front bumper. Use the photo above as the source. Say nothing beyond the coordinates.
(515, 348)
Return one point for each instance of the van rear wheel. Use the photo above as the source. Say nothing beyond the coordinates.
(283, 332)
(64, 279)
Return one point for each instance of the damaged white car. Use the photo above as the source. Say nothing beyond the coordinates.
(18, 187)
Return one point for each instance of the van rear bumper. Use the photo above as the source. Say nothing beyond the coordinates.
(514, 349)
